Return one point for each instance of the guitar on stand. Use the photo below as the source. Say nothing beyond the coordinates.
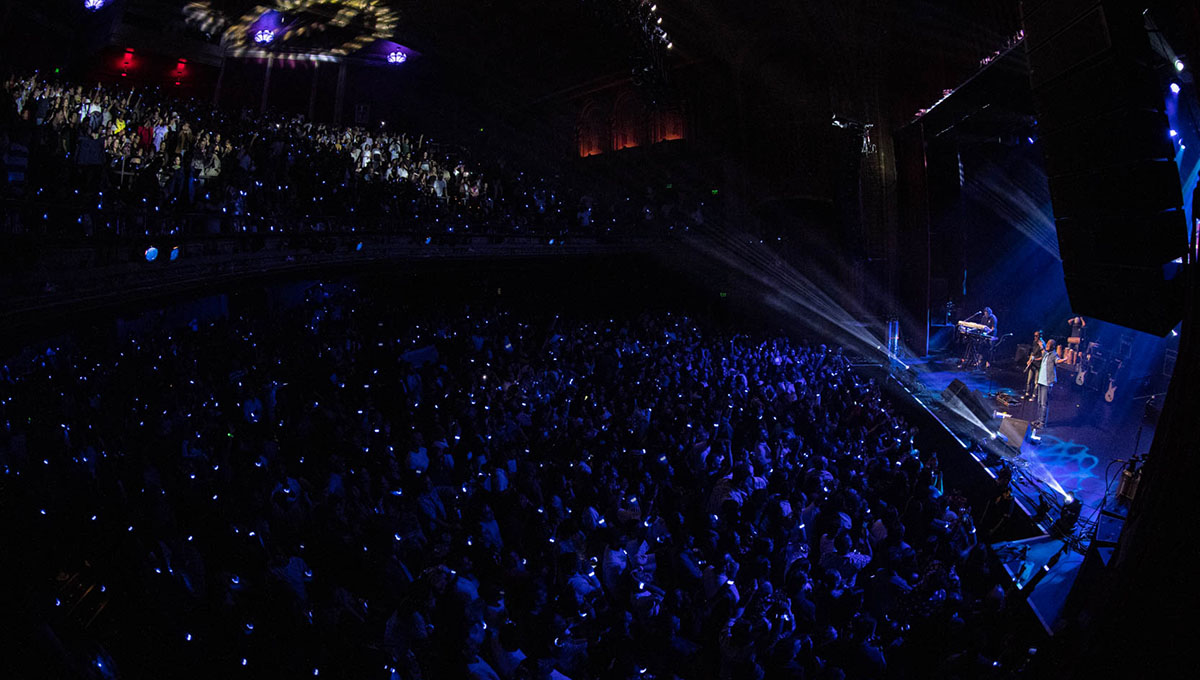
(1110, 394)
(1085, 368)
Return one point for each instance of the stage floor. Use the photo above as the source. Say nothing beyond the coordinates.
(1085, 437)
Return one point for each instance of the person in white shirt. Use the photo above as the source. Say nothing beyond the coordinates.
(1047, 377)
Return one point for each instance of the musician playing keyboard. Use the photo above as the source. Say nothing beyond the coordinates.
(989, 320)
(976, 333)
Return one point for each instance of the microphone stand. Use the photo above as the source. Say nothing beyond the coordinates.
(991, 360)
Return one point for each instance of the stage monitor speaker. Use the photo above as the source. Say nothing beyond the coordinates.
(959, 393)
(1014, 432)
(1114, 183)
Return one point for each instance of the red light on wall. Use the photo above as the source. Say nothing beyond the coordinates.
(668, 126)
(176, 82)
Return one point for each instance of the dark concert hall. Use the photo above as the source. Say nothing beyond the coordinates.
(599, 339)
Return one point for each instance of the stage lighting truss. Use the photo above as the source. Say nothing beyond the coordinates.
(650, 23)
(376, 19)
(641, 21)
(641, 18)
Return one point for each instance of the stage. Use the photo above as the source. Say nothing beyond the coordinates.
(1081, 453)
(1085, 436)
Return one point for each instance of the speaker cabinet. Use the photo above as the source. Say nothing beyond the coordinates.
(1114, 184)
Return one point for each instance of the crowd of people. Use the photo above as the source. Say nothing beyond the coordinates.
(123, 160)
(363, 487)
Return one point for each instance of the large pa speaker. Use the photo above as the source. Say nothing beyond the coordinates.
(958, 393)
(1114, 184)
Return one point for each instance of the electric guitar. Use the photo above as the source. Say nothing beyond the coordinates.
(1085, 367)
(1032, 359)
(1111, 393)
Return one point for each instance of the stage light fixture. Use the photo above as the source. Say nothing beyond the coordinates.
(151, 254)
(175, 253)
(1172, 132)
(94, 5)
(1069, 517)
(1178, 65)
(264, 36)
(397, 57)
(1174, 88)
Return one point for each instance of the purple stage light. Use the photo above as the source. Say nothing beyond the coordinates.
(94, 5)
(264, 36)
(397, 57)
(1174, 88)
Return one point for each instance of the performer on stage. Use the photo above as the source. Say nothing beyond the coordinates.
(1047, 376)
(989, 320)
(979, 346)
(1075, 338)
(1034, 365)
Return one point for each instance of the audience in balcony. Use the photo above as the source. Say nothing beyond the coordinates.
(123, 153)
